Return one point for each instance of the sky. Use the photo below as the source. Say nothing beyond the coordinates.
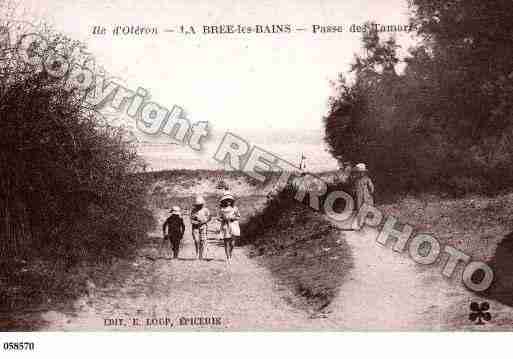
(269, 83)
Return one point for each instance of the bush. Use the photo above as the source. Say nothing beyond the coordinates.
(68, 186)
(301, 247)
(275, 209)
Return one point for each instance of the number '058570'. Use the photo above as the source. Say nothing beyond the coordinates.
(18, 346)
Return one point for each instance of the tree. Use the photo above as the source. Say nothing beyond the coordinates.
(472, 45)
(446, 119)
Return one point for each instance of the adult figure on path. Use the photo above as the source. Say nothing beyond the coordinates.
(200, 216)
(364, 191)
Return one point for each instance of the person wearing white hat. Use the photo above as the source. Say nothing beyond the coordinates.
(173, 230)
(200, 216)
(364, 190)
(230, 229)
(361, 167)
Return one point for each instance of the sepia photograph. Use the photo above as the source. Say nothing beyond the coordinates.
(223, 166)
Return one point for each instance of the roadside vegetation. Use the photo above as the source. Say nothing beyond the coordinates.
(301, 247)
(439, 119)
(71, 207)
(435, 128)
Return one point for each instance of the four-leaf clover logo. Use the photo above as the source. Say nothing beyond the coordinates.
(479, 312)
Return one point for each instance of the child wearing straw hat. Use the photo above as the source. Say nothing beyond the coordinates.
(200, 216)
(230, 229)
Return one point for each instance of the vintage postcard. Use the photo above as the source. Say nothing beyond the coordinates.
(333, 165)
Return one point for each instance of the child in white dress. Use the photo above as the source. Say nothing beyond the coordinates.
(230, 228)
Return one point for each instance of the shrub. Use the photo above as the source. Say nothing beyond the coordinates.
(302, 248)
(67, 184)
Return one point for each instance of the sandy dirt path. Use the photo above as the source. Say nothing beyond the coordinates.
(385, 290)
(242, 294)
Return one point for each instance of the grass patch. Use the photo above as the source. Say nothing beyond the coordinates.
(474, 225)
(29, 289)
(303, 249)
(91, 254)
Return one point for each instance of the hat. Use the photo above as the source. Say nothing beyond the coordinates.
(199, 200)
(227, 195)
(361, 167)
(175, 210)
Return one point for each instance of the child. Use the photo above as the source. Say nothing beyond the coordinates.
(173, 230)
(364, 191)
(230, 228)
(200, 216)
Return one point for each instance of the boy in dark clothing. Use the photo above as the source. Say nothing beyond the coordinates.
(173, 230)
